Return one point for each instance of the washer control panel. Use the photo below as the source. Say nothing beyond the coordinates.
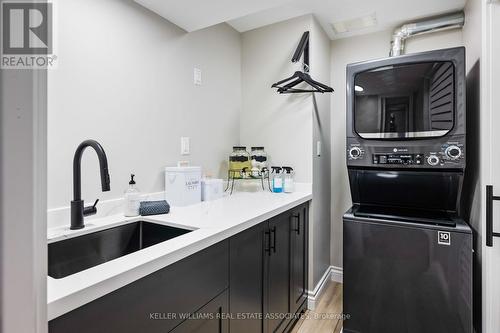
(399, 159)
(448, 155)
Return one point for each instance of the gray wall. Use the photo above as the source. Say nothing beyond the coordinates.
(23, 236)
(289, 125)
(343, 52)
(320, 228)
(125, 78)
(283, 124)
(472, 187)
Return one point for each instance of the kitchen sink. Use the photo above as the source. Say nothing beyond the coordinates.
(76, 254)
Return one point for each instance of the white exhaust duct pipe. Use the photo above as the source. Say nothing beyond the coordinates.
(444, 22)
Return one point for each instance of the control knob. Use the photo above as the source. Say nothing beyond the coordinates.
(355, 153)
(433, 160)
(453, 152)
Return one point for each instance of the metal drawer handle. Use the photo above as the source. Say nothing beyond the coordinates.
(273, 244)
(489, 215)
(297, 230)
(267, 248)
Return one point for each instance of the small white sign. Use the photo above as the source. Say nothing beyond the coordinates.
(444, 238)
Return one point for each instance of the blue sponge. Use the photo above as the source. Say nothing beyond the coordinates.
(154, 207)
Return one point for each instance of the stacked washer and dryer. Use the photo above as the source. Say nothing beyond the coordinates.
(407, 254)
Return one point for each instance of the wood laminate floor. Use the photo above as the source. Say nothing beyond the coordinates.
(326, 318)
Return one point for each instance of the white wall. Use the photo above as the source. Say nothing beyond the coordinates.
(472, 206)
(320, 213)
(343, 52)
(283, 124)
(23, 236)
(288, 125)
(125, 78)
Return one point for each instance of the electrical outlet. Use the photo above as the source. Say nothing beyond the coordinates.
(185, 145)
(197, 76)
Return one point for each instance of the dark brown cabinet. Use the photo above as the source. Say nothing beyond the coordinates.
(298, 257)
(278, 273)
(247, 250)
(268, 273)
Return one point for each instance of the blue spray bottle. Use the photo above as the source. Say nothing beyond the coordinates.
(277, 179)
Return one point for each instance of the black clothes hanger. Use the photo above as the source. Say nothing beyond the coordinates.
(299, 77)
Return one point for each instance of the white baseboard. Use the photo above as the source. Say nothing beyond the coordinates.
(332, 273)
(337, 274)
(313, 295)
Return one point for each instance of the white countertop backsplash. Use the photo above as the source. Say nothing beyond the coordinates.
(60, 217)
(211, 222)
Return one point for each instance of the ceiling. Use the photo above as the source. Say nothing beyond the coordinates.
(193, 15)
(244, 15)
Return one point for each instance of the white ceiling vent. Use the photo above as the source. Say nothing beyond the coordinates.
(355, 24)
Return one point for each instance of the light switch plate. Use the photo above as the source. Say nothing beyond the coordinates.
(197, 76)
(184, 145)
(318, 148)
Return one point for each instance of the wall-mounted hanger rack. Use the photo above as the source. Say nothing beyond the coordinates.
(300, 77)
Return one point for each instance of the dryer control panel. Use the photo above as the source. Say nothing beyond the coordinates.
(398, 159)
(414, 154)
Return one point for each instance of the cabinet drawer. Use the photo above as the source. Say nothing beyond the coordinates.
(145, 305)
(211, 318)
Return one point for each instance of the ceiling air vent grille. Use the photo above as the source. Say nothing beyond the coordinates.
(355, 24)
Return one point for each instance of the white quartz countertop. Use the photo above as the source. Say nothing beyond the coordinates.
(211, 222)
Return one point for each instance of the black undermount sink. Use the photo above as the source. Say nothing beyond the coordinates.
(76, 254)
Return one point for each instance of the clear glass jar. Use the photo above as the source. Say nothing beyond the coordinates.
(259, 158)
(239, 160)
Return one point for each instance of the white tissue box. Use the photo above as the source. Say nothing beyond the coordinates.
(211, 189)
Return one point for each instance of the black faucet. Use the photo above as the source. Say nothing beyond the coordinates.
(78, 211)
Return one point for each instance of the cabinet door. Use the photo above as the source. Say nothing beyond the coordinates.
(298, 257)
(211, 318)
(247, 279)
(278, 266)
